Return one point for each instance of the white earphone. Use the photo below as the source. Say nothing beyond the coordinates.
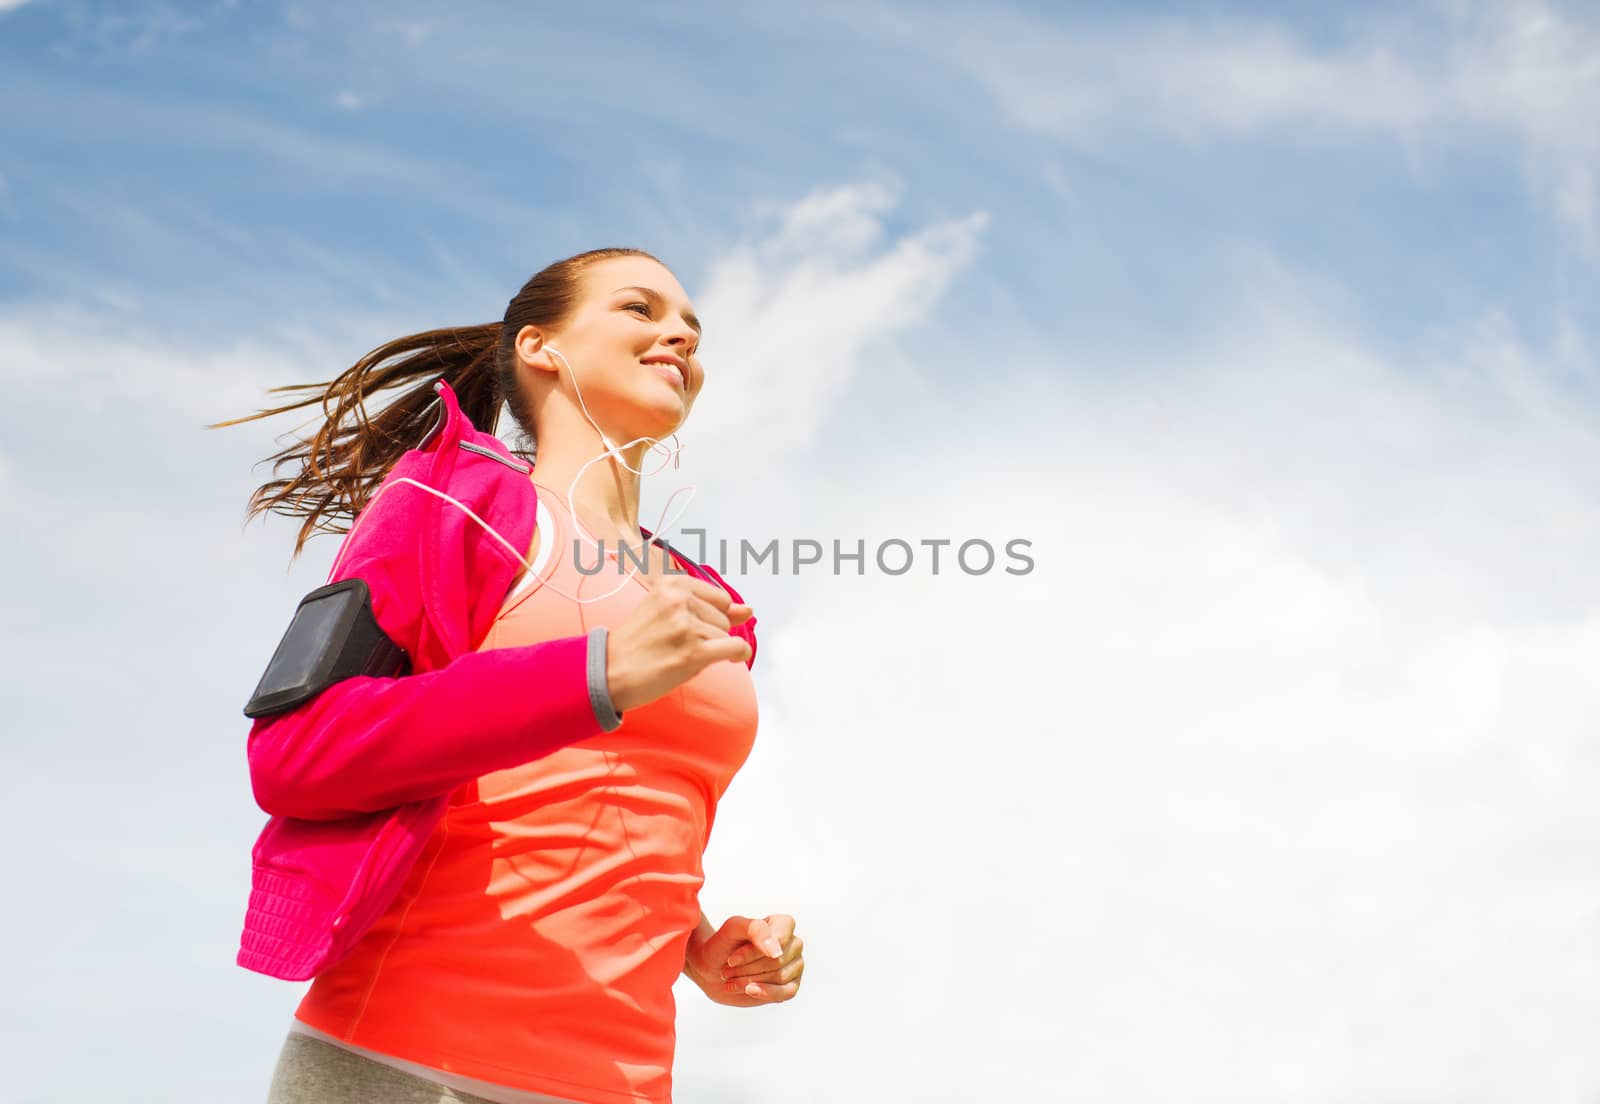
(612, 449)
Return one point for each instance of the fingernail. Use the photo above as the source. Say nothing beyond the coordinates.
(752, 990)
(773, 948)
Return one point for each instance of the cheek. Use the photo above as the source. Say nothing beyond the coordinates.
(619, 331)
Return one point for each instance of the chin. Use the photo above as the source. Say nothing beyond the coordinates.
(659, 419)
(658, 428)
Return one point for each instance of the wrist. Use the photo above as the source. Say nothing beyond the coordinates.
(696, 975)
(693, 952)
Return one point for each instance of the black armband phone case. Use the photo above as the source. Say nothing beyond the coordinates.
(333, 636)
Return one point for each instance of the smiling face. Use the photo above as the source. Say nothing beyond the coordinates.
(631, 341)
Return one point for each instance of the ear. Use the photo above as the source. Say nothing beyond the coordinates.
(530, 346)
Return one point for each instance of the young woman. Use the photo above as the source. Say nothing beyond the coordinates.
(491, 863)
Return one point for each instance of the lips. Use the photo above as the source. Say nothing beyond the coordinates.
(674, 363)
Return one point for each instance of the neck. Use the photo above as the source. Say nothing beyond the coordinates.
(606, 496)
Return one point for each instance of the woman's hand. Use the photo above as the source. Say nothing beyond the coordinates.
(747, 962)
(679, 629)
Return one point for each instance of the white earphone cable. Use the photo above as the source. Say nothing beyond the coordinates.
(572, 512)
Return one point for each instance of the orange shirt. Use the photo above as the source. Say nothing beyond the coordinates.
(537, 939)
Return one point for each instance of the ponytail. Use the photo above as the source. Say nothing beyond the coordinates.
(340, 468)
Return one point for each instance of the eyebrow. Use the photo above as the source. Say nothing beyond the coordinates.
(656, 297)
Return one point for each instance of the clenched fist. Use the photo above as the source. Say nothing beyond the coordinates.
(679, 629)
(746, 962)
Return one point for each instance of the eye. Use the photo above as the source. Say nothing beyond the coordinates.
(642, 308)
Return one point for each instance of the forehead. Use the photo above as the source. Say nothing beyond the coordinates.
(604, 277)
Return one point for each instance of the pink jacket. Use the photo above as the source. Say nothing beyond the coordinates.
(356, 779)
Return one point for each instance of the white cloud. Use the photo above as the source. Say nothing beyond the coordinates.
(794, 310)
(1278, 766)
(1520, 72)
(67, 355)
(11, 5)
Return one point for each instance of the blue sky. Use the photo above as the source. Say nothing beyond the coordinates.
(195, 153)
(1272, 327)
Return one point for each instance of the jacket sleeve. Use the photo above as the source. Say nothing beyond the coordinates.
(367, 744)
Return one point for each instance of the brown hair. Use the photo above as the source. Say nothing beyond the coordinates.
(341, 466)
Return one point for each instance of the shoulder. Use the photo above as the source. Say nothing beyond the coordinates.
(441, 532)
(497, 488)
(484, 477)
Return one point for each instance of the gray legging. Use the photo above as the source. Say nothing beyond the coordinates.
(311, 1071)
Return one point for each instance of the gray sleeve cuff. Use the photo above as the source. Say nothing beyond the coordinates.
(599, 688)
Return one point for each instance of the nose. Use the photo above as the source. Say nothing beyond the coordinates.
(681, 338)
